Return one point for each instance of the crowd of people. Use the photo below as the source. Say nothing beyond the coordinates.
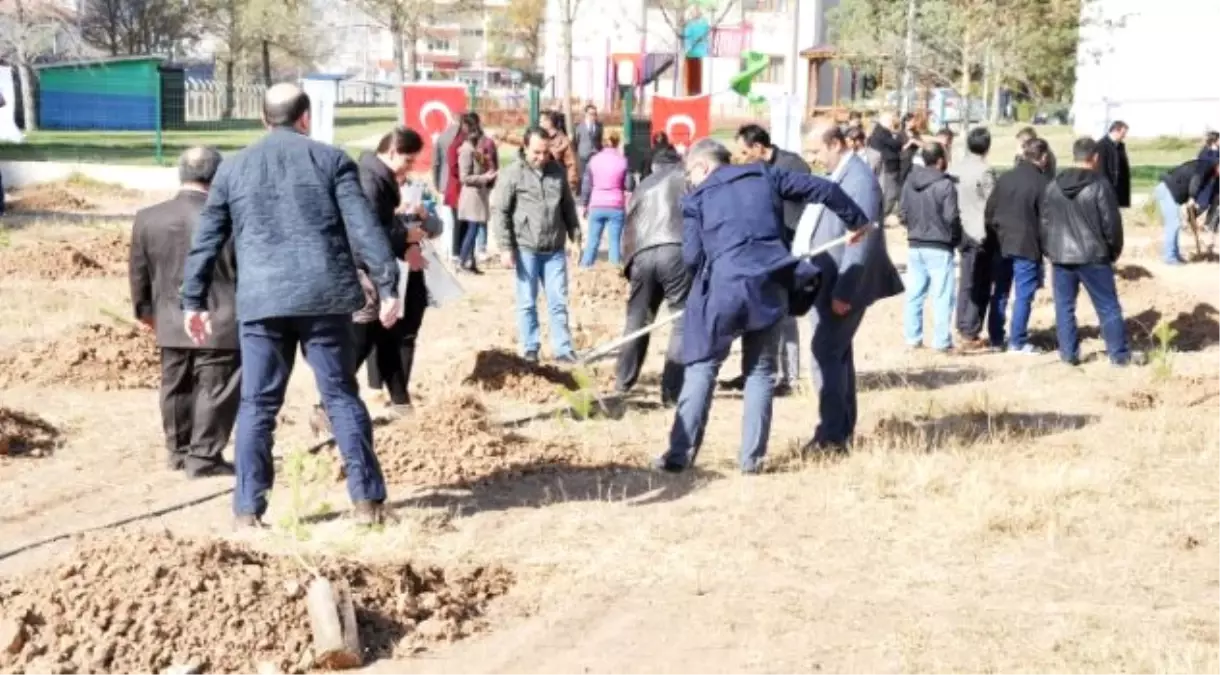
(738, 245)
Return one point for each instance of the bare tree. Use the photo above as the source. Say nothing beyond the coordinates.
(516, 39)
(568, 11)
(229, 22)
(130, 27)
(30, 30)
(677, 14)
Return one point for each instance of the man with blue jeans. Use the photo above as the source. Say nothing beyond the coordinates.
(929, 211)
(1013, 214)
(744, 277)
(533, 215)
(299, 222)
(1081, 232)
(1189, 184)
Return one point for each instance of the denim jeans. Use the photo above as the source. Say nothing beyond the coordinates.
(549, 270)
(1021, 278)
(268, 349)
(471, 231)
(601, 220)
(929, 269)
(1171, 217)
(695, 402)
(1098, 282)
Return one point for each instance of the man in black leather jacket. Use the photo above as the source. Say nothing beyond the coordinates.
(652, 251)
(1081, 233)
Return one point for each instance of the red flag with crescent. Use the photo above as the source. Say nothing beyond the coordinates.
(429, 108)
(685, 119)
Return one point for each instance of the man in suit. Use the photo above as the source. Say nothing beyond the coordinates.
(299, 223)
(754, 143)
(588, 139)
(440, 180)
(199, 382)
(1112, 162)
(854, 277)
(745, 281)
(858, 142)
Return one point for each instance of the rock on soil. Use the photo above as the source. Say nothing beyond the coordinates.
(454, 443)
(146, 603)
(501, 371)
(97, 356)
(89, 258)
(25, 434)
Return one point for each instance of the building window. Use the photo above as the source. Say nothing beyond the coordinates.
(774, 72)
(472, 32)
(764, 5)
(438, 45)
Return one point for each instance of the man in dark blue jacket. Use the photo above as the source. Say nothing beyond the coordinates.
(299, 222)
(734, 243)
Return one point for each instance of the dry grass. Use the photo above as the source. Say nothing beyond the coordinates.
(999, 514)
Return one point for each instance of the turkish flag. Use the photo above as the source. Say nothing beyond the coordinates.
(429, 108)
(684, 119)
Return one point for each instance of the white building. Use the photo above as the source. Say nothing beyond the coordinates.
(1151, 65)
(604, 28)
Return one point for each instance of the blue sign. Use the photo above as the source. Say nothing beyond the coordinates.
(697, 38)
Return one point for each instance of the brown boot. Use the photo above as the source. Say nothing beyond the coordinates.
(373, 513)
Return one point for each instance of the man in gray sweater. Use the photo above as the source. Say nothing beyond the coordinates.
(533, 216)
(299, 222)
(976, 179)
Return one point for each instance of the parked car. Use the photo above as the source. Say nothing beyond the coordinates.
(944, 106)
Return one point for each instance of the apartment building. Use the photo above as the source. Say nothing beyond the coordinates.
(609, 29)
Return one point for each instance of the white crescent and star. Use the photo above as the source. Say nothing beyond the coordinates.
(435, 106)
(680, 120)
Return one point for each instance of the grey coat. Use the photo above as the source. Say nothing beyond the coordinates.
(160, 240)
(862, 273)
(299, 220)
(534, 209)
(975, 181)
(440, 153)
(476, 186)
(588, 141)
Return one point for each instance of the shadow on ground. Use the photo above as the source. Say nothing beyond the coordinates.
(1132, 272)
(924, 378)
(612, 482)
(1196, 330)
(970, 428)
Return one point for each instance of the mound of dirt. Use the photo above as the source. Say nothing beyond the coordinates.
(601, 289)
(50, 197)
(454, 443)
(141, 603)
(99, 256)
(98, 356)
(26, 434)
(503, 372)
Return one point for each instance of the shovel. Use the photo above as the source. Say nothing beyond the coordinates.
(608, 348)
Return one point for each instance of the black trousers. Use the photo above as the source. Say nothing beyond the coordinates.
(393, 357)
(656, 274)
(974, 288)
(200, 393)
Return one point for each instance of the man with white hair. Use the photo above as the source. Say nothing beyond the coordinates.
(745, 281)
(854, 277)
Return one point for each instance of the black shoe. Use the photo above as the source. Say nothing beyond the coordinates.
(174, 462)
(736, 384)
(568, 359)
(782, 390)
(214, 470)
(662, 464)
(532, 356)
(828, 451)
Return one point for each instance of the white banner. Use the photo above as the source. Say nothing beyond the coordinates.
(786, 115)
(322, 95)
(9, 132)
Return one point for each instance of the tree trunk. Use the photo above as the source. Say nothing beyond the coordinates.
(230, 90)
(267, 63)
(400, 65)
(565, 55)
(965, 92)
(985, 96)
(29, 102)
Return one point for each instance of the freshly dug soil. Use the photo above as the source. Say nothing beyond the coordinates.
(50, 197)
(97, 356)
(602, 289)
(141, 603)
(503, 372)
(26, 434)
(454, 443)
(93, 257)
